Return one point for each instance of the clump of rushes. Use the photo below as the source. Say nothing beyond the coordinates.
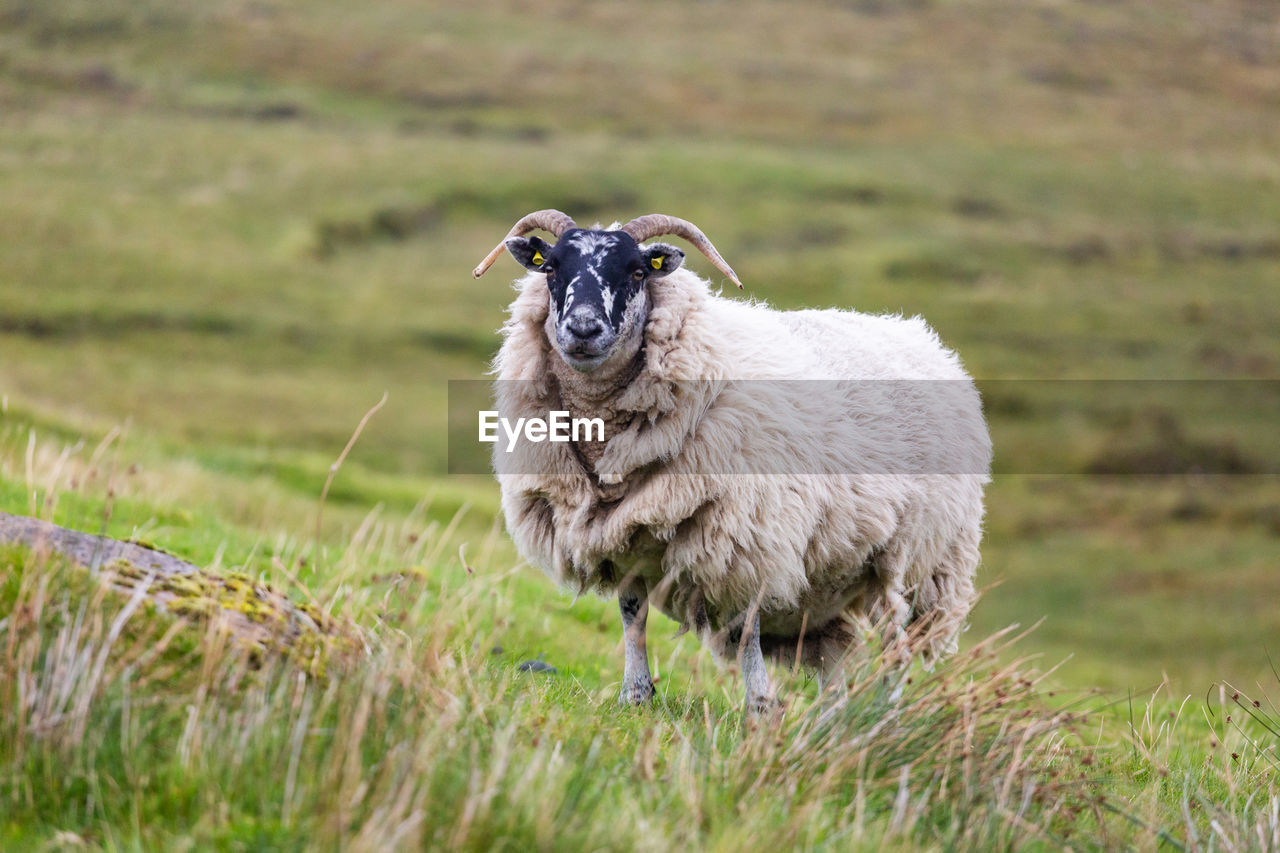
(1234, 803)
(968, 756)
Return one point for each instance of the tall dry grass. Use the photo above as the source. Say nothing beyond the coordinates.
(121, 726)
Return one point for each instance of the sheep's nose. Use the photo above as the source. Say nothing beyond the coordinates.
(584, 327)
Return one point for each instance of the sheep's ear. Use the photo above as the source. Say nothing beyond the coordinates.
(530, 252)
(661, 259)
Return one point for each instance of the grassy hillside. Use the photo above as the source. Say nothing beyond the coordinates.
(125, 727)
(227, 227)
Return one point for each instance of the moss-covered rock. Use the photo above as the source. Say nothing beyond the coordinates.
(256, 614)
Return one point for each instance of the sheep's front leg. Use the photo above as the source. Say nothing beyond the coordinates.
(633, 601)
(755, 677)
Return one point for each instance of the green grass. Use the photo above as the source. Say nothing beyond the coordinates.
(121, 728)
(227, 228)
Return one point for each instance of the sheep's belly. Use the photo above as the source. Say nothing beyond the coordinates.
(820, 611)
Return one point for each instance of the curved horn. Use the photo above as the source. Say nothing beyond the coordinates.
(548, 220)
(656, 224)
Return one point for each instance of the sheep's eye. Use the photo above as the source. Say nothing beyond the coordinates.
(638, 274)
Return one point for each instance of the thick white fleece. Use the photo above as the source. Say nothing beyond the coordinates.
(816, 550)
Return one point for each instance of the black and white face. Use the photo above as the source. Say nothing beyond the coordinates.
(599, 301)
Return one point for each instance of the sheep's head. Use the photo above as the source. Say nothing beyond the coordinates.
(597, 280)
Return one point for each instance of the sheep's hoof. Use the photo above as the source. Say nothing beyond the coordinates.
(764, 708)
(636, 694)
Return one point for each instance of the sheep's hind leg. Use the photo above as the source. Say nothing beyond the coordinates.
(897, 644)
(760, 698)
(633, 602)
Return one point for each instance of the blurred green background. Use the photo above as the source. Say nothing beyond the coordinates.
(230, 225)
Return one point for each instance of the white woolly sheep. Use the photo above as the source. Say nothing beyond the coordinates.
(773, 516)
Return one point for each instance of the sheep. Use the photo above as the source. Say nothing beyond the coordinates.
(778, 516)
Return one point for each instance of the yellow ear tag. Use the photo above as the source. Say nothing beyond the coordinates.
(537, 258)
(656, 263)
